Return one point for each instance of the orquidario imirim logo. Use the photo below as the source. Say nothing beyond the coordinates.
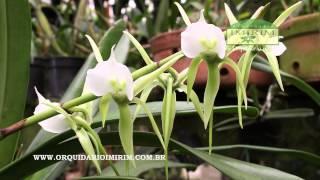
(252, 32)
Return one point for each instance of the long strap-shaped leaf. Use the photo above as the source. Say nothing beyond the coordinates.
(297, 82)
(183, 108)
(15, 38)
(233, 168)
(311, 158)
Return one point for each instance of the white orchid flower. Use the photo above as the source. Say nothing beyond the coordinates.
(202, 37)
(109, 76)
(54, 124)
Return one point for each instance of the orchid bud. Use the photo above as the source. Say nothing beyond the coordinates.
(202, 37)
(55, 124)
(109, 76)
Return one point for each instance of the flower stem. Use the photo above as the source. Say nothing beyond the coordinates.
(162, 66)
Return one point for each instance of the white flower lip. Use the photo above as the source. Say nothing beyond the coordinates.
(196, 33)
(55, 124)
(99, 79)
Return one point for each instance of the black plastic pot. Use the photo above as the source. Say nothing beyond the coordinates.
(52, 77)
(58, 74)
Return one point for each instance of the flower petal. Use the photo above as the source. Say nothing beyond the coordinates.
(278, 49)
(201, 31)
(40, 97)
(99, 79)
(55, 124)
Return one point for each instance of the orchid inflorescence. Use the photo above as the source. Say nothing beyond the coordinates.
(113, 81)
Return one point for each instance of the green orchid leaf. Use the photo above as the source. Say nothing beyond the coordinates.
(232, 19)
(139, 47)
(211, 91)
(144, 166)
(15, 58)
(192, 73)
(122, 49)
(283, 16)
(194, 99)
(104, 107)
(275, 67)
(183, 14)
(233, 168)
(161, 23)
(87, 146)
(297, 82)
(126, 129)
(183, 109)
(309, 157)
(109, 178)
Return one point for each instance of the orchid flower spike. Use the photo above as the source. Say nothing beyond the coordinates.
(55, 124)
(109, 77)
(202, 37)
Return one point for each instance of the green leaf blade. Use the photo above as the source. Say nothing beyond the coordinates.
(15, 38)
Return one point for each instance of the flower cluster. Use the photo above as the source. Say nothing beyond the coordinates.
(110, 81)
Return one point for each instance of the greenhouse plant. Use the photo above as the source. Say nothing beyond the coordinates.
(167, 90)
